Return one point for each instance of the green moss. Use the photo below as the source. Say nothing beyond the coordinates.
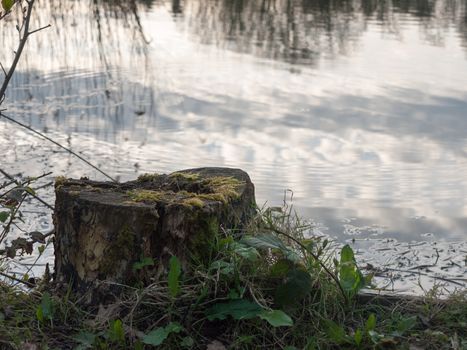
(147, 177)
(218, 188)
(193, 202)
(184, 176)
(146, 195)
(94, 189)
(224, 188)
(218, 197)
(59, 181)
(202, 242)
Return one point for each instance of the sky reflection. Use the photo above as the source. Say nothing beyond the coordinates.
(359, 108)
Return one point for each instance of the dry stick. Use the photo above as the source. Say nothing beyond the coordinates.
(59, 145)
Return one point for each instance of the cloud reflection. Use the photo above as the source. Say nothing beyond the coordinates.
(369, 123)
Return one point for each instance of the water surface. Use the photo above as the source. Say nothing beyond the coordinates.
(358, 107)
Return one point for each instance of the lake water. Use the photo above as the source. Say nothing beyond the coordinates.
(355, 111)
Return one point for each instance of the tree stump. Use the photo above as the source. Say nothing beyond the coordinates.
(103, 230)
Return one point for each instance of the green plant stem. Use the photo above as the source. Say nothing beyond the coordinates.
(329, 272)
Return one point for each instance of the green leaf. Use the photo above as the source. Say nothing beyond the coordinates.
(30, 190)
(223, 267)
(116, 332)
(276, 318)
(239, 309)
(358, 337)
(175, 270)
(271, 242)
(139, 345)
(350, 277)
(39, 314)
(246, 252)
(156, 337)
(405, 324)
(145, 261)
(298, 285)
(173, 327)
(375, 336)
(159, 335)
(41, 249)
(335, 332)
(4, 215)
(7, 4)
(280, 268)
(187, 342)
(45, 310)
(370, 324)
(85, 338)
(264, 242)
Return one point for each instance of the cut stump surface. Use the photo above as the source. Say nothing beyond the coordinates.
(125, 232)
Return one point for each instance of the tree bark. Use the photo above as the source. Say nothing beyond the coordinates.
(109, 231)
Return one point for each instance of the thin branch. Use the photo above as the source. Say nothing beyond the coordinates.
(29, 284)
(3, 68)
(31, 194)
(38, 30)
(59, 145)
(18, 52)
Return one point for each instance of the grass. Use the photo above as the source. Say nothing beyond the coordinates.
(264, 289)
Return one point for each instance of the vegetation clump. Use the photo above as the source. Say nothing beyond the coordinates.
(268, 288)
(147, 177)
(188, 189)
(186, 176)
(140, 195)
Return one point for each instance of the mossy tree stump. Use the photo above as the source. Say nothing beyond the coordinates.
(103, 229)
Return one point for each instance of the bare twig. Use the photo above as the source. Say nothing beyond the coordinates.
(27, 283)
(39, 29)
(3, 69)
(31, 194)
(19, 50)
